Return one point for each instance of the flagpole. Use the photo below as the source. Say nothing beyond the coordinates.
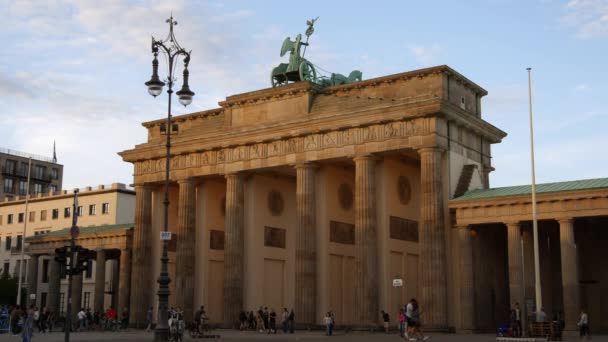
(25, 219)
(537, 285)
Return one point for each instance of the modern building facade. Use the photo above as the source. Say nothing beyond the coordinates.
(45, 177)
(104, 211)
(314, 199)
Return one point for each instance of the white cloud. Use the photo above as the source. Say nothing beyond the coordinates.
(582, 87)
(426, 55)
(588, 17)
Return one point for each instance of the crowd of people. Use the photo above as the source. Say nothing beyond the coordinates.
(265, 321)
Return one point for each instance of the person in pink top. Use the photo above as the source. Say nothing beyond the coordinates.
(401, 322)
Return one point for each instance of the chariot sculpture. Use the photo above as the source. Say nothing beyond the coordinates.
(300, 69)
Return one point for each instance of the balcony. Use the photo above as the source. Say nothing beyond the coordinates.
(16, 250)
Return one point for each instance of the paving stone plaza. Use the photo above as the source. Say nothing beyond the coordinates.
(231, 335)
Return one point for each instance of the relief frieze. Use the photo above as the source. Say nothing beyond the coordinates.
(312, 142)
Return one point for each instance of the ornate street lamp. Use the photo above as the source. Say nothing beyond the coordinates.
(172, 51)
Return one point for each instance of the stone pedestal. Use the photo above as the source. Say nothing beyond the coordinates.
(32, 278)
(184, 256)
(124, 280)
(233, 249)
(142, 279)
(516, 284)
(100, 281)
(76, 296)
(432, 241)
(467, 285)
(54, 286)
(570, 281)
(366, 242)
(306, 251)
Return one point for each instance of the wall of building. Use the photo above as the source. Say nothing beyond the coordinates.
(209, 263)
(19, 174)
(397, 258)
(269, 271)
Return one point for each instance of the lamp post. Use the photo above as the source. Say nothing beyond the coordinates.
(172, 51)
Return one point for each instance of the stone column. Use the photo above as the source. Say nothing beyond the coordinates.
(234, 249)
(570, 281)
(516, 284)
(467, 285)
(100, 280)
(142, 279)
(433, 278)
(76, 296)
(115, 284)
(306, 245)
(32, 278)
(184, 256)
(54, 286)
(124, 280)
(366, 242)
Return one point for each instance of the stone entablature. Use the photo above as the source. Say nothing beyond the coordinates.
(116, 239)
(550, 206)
(302, 122)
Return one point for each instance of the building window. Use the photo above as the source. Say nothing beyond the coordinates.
(19, 241)
(61, 303)
(23, 170)
(39, 172)
(45, 270)
(20, 217)
(105, 208)
(10, 166)
(92, 209)
(42, 215)
(32, 216)
(8, 185)
(43, 299)
(5, 269)
(79, 210)
(55, 173)
(86, 301)
(9, 219)
(53, 188)
(37, 188)
(89, 271)
(67, 212)
(7, 243)
(22, 188)
(55, 214)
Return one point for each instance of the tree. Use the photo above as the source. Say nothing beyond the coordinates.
(8, 288)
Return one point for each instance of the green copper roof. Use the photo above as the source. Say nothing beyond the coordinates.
(85, 230)
(519, 190)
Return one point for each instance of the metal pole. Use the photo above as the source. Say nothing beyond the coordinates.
(537, 284)
(25, 219)
(68, 315)
(161, 333)
(522, 306)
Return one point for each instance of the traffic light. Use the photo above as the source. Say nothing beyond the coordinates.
(61, 255)
(83, 258)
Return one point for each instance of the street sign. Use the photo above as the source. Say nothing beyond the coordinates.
(32, 296)
(397, 282)
(165, 236)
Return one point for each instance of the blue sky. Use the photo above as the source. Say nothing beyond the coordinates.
(73, 71)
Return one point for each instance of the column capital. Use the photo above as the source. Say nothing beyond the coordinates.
(565, 220)
(306, 165)
(431, 149)
(462, 226)
(188, 180)
(142, 186)
(365, 157)
(513, 224)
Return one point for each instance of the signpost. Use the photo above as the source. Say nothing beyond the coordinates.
(397, 282)
(165, 236)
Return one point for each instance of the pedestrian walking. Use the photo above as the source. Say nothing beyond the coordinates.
(149, 315)
(285, 320)
(583, 325)
(265, 316)
(401, 322)
(243, 320)
(516, 320)
(292, 317)
(327, 320)
(82, 319)
(386, 320)
(28, 325)
(416, 329)
(273, 322)
(124, 319)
